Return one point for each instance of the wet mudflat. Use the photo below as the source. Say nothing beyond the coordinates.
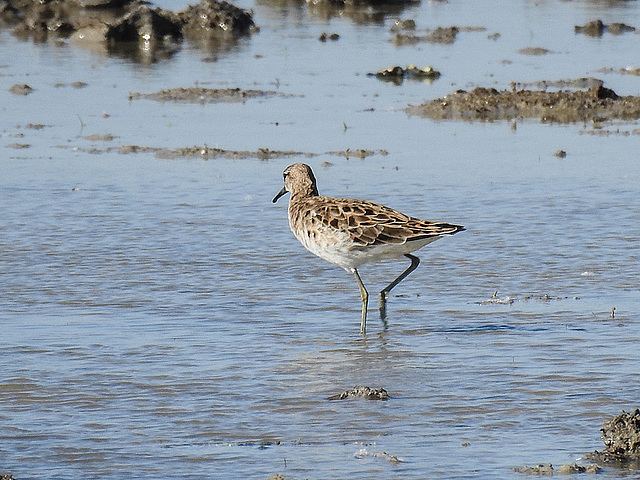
(159, 319)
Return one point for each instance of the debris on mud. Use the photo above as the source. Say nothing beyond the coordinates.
(508, 300)
(621, 437)
(201, 95)
(487, 104)
(361, 391)
(397, 74)
(363, 452)
(548, 470)
(596, 28)
(495, 300)
(356, 153)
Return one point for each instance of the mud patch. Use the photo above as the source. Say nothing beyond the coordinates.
(212, 153)
(202, 95)
(621, 437)
(21, 89)
(359, 11)
(597, 28)
(404, 34)
(210, 17)
(398, 74)
(569, 83)
(360, 391)
(488, 104)
(131, 28)
(548, 470)
(623, 71)
(533, 51)
(100, 138)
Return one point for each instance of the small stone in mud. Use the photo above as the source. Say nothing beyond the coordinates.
(20, 89)
(360, 391)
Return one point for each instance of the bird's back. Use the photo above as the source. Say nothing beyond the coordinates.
(350, 233)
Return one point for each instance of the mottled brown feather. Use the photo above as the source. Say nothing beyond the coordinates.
(368, 223)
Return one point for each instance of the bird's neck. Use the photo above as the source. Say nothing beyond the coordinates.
(310, 191)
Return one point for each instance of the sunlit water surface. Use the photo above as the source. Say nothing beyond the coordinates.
(158, 318)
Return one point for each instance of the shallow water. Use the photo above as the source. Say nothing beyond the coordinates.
(158, 318)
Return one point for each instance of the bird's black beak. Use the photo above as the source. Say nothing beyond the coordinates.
(280, 193)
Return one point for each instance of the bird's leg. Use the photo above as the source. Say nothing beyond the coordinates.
(365, 300)
(384, 294)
